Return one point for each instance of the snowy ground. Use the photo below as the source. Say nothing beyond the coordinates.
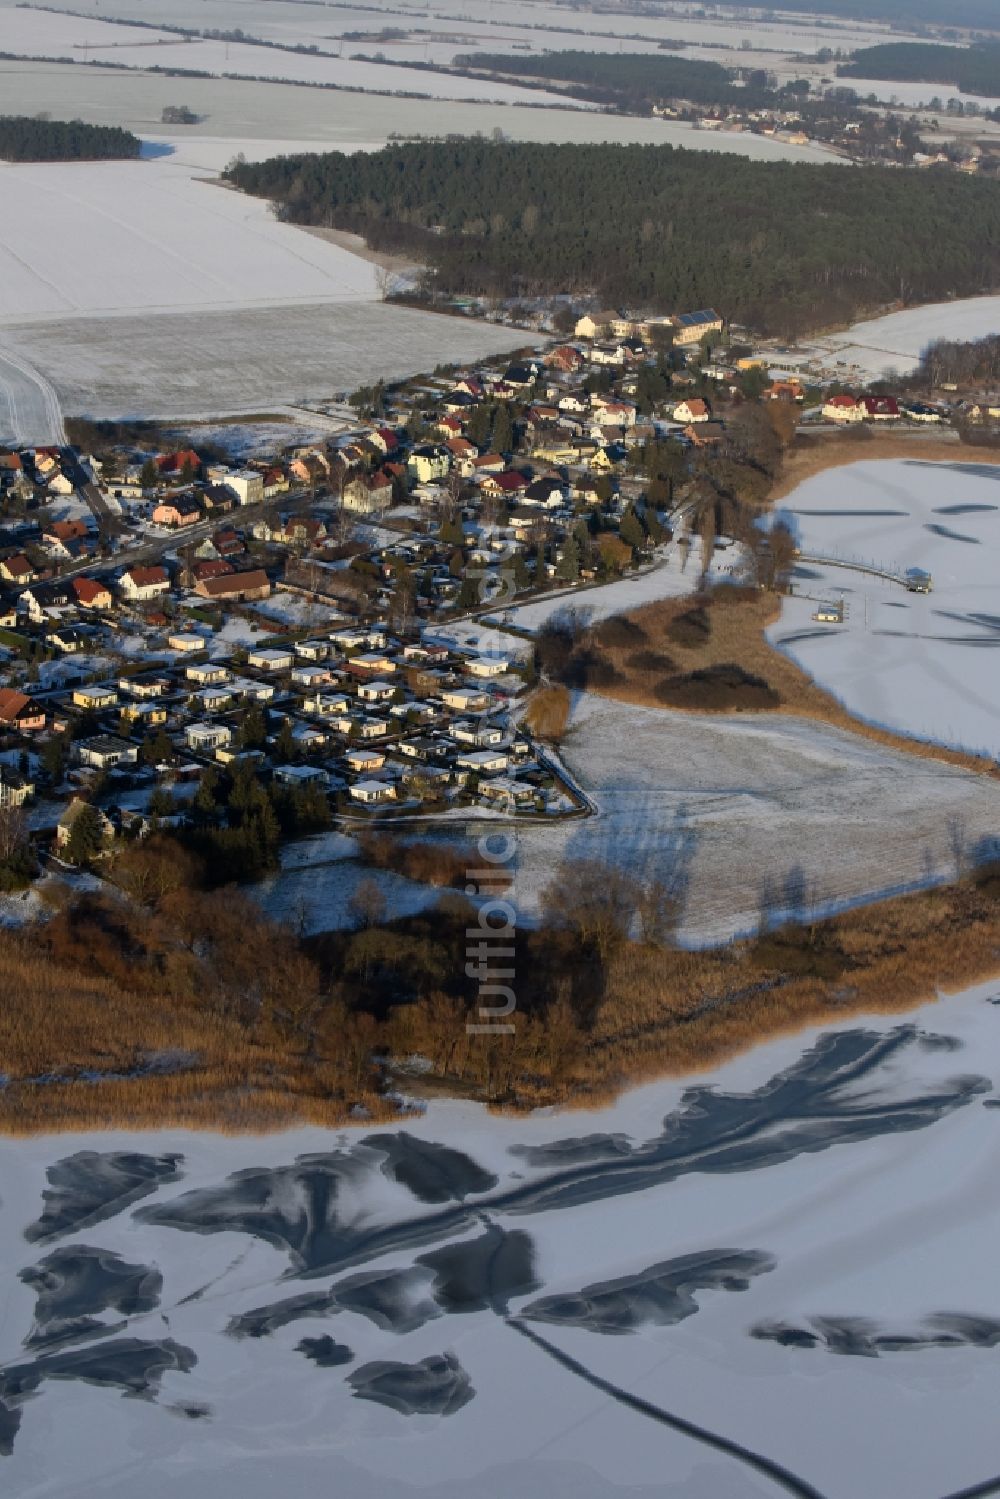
(798, 1246)
(149, 237)
(235, 110)
(676, 571)
(212, 364)
(926, 665)
(747, 818)
(894, 344)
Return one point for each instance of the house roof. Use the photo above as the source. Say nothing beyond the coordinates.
(145, 577)
(234, 583)
(88, 590)
(13, 704)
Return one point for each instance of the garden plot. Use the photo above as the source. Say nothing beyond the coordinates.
(797, 1245)
(927, 665)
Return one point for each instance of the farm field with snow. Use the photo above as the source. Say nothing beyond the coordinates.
(926, 665)
(218, 363)
(798, 1245)
(236, 110)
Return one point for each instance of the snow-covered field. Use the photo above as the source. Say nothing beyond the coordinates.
(924, 664)
(914, 95)
(235, 109)
(795, 1255)
(149, 236)
(895, 343)
(214, 364)
(41, 34)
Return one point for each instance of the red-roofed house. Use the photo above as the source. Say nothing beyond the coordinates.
(17, 569)
(843, 409)
(90, 594)
(141, 583)
(509, 484)
(235, 586)
(173, 465)
(880, 408)
(18, 711)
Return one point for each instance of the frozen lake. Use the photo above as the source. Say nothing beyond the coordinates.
(797, 1245)
(924, 665)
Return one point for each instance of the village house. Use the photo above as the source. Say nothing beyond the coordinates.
(372, 792)
(247, 485)
(178, 510)
(15, 789)
(692, 410)
(21, 712)
(843, 408)
(367, 494)
(364, 761)
(465, 699)
(68, 820)
(58, 537)
(271, 658)
(139, 584)
(594, 324)
(691, 327)
(376, 692)
(91, 594)
(237, 587)
(206, 673)
(427, 464)
(205, 737)
(95, 699)
(17, 569)
(107, 751)
(880, 408)
(482, 761)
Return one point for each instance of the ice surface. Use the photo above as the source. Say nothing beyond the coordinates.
(799, 1246)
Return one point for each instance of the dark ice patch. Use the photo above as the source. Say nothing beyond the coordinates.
(10, 1420)
(92, 1185)
(595, 1147)
(482, 1274)
(436, 1386)
(395, 1300)
(934, 1041)
(859, 1337)
(661, 1295)
(816, 1104)
(75, 1283)
(432, 1172)
(325, 1352)
(962, 509)
(262, 1321)
(939, 530)
(132, 1365)
(293, 1207)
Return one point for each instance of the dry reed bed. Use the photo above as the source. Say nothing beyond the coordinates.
(739, 619)
(814, 455)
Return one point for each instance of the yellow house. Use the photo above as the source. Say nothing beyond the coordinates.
(94, 697)
(555, 453)
(601, 463)
(149, 713)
